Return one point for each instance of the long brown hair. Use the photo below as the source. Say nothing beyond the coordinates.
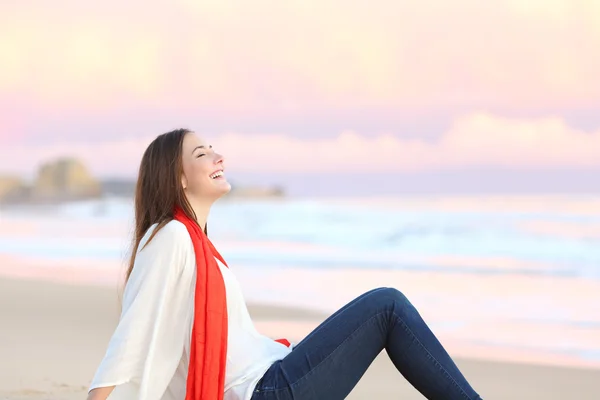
(159, 189)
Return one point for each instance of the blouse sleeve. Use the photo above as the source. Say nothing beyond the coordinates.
(148, 342)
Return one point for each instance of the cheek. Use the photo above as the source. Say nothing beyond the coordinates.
(196, 173)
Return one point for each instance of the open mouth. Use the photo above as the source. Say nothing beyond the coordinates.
(217, 175)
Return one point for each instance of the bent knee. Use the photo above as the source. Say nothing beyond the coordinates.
(390, 293)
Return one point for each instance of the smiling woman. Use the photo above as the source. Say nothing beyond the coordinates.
(183, 161)
(185, 331)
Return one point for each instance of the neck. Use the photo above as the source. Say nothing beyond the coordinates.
(201, 209)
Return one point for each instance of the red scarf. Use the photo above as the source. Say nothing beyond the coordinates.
(208, 353)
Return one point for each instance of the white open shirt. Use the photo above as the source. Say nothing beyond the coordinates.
(148, 354)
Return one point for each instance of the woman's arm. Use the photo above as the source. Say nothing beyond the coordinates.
(101, 393)
(148, 342)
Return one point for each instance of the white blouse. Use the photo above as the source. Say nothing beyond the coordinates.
(148, 353)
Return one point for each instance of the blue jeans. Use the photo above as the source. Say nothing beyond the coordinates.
(329, 362)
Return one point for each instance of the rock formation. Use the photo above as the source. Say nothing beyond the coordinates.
(60, 180)
(256, 192)
(68, 179)
(65, 179)
(11, 186)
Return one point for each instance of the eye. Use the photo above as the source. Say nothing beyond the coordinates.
(200, 155)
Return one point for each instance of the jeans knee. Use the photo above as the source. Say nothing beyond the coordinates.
(390, 294)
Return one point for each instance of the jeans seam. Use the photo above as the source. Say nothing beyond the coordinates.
(326, 358)
(437, 363)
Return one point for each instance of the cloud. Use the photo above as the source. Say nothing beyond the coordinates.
(77, 65)
(253, 57)
(475, 140)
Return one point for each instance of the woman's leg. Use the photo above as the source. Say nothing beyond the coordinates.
(330, 361)
(335, 314)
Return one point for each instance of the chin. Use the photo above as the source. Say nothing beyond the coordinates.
(215, 191)
(224, 188)
(227, 188)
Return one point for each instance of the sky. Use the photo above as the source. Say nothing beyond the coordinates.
(307, 87)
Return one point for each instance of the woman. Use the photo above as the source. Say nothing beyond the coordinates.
(185, 331)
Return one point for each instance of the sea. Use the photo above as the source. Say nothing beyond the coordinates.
(511, 276)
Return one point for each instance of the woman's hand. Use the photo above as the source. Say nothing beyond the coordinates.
(100, 393)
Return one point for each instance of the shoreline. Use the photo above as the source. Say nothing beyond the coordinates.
(477, 337)
(54, 335)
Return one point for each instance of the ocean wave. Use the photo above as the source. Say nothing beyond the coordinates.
(356, 234)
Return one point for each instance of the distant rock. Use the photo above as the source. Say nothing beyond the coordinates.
(256, 191)
(126, 188)
(68, 179)
(11, 186)
(119, 187)
(64, 179)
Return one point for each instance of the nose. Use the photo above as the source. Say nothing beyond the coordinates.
(219, 158)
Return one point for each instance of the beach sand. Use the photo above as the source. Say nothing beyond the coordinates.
(53, 336)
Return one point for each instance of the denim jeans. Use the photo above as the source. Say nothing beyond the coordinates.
(329, 362)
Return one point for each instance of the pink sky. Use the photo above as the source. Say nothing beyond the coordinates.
(392, 85)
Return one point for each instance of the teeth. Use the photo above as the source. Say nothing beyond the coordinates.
(217, 174)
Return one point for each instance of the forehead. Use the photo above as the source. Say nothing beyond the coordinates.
(191, 141)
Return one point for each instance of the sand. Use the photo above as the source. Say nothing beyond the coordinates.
(53, 335)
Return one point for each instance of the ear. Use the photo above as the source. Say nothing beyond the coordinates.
(184, 182)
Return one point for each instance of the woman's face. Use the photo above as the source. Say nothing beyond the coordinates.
(203, 170)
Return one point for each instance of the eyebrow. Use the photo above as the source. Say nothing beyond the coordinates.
(200, 147)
